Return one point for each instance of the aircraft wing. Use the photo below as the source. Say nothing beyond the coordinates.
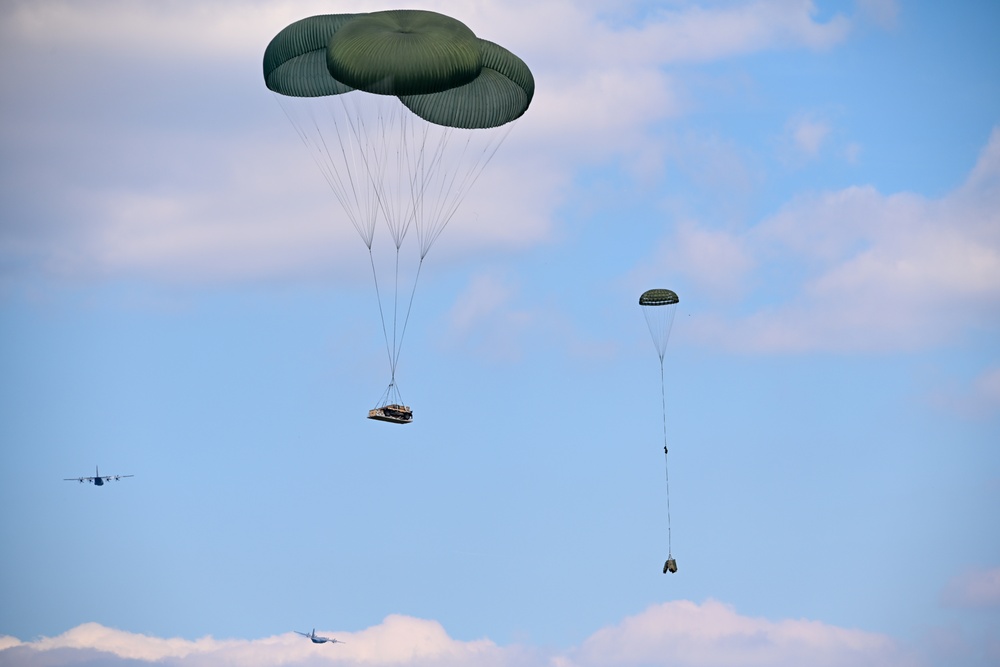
(106, 478)
(304, 634)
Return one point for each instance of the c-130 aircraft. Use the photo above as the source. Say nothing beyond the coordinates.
(318, 640)
(97, 479)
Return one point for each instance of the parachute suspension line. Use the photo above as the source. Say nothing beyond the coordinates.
(448, 205)
(374, 202)
(390, 395)
(381, 314)
(420, 172)
(358, 150)
(359, 130)
(344, 189)
(448, 197)
(390, 178)
(396, 342)
(361, 209)
(375, 165)
(407, 318)
(359, 144)
(666, 467)
(437, 165)
(361, 213)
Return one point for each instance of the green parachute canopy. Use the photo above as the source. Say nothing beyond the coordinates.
(433, 63)
(658, 297)
(658, 305)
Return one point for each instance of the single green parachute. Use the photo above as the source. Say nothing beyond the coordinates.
(404, 52)
(401, 110)
(658, 306)
(658, 297)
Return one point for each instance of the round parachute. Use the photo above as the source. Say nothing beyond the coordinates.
(658, 297)
(658, 305)
(401, 110)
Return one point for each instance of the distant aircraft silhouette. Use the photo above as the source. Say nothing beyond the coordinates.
(318, 640)
(98, 479)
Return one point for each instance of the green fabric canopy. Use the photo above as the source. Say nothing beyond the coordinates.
(658, 297)
(433, 63)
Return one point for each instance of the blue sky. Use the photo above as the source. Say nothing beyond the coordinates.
(182, 300)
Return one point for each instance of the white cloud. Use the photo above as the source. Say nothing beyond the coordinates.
(882, 13)
(675, 634)
(691, 250)
(976, 588)
(852, 152)
(206, 182)
(809, 135)
(486, 318)
(685, 633)
(481, 299)
(398, 640)
(490, 319)
(188, 233)
(230, 29)
(987, 390)
(129, 645)
(871, 271)
(694, 33)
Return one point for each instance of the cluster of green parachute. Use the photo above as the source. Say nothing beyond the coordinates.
(401, 111)
(433, 63)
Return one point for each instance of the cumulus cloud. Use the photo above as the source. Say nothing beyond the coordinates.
(487, 318)
(490, 319)
(685, 633)
(678, 634)
(398, 640)
(975, 588)
(172, 163)
(230, 30)
(977, 397)
(131, 646)
(808, 135)
(692, 248)
(882, 13)
(873, 271)
(987, 390)
(696, 32)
